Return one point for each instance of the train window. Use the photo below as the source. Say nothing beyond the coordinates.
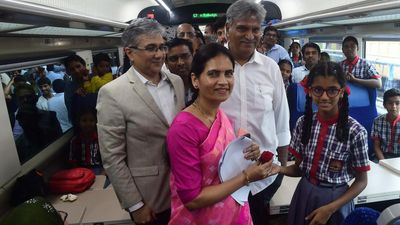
(39, 113)
(331, 45)
(36, 109)
(385, 56)
(333, 48)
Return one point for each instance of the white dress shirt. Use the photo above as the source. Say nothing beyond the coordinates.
(258, 103)
(299, 73)
(57, 104)
(42, 103)
(163, 94)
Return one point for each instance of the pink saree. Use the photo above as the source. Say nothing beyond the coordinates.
(225, 212)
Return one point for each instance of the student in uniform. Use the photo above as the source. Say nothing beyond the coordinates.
(286, 68)
(295, 54)
(331, 149)
(84, 146)
(386, 128)
(358, 70)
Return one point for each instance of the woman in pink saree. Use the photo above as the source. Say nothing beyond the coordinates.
(196, 140)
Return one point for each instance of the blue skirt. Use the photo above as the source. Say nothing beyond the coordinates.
(309, 197)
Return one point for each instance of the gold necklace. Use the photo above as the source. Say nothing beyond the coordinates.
(195, 105)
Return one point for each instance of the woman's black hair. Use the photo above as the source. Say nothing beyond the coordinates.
(200, 59)
(199, 34)
(327, 69)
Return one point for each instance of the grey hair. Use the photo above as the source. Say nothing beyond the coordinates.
(138, 27)
(245, 9)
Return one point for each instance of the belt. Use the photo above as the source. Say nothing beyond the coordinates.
(325, 184)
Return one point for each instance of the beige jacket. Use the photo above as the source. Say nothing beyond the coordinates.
(132, 137)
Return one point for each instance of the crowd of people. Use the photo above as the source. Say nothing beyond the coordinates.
(235, 81)
(45, 102)
(159, 129)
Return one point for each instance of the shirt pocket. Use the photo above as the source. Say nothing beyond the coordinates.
(263, 97)
(336, 164)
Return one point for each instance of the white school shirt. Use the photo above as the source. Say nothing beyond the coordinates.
(163, 94)
(299, 73)
(258, 103)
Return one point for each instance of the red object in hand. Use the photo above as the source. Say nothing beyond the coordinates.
(266, 156)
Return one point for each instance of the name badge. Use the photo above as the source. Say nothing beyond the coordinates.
(335, 165)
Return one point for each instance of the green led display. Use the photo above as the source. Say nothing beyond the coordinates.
(204, 15)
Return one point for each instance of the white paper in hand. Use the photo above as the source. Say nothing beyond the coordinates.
(232, 163)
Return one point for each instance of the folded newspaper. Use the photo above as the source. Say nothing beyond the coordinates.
(232, 163)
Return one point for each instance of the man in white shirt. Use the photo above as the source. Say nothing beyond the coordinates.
(134, 113)
(258, 102)
(57, 104)
(311, 55)
(44, 84)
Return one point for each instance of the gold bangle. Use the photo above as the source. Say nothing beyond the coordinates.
(247, 178)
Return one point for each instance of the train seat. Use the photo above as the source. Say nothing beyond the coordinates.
(362, 105)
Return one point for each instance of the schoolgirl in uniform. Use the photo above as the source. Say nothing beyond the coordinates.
(330, 149)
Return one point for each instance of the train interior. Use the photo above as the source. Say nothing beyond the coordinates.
(35, 33)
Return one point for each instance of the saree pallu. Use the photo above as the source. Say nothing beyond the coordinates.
(225, 212)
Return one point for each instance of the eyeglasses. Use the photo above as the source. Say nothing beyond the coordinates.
(331, 92)
(188, 34)
(63, 215)
(151, 48)
(175, 58)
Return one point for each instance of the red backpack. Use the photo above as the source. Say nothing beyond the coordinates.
(71, 181)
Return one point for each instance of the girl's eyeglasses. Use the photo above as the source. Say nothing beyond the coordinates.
(331, 92)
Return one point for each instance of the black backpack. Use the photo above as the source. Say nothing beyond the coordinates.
(28, 186)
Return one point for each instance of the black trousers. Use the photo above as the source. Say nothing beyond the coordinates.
(259, 203)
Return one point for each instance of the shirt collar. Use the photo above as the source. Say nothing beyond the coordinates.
(146, 81)
(256, 57)
(394, 121)
(353, 62)
(329, 121)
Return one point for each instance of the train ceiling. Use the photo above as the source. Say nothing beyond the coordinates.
(49, 18)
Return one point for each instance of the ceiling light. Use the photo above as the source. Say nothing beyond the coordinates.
(62, 31)
(162, 3)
